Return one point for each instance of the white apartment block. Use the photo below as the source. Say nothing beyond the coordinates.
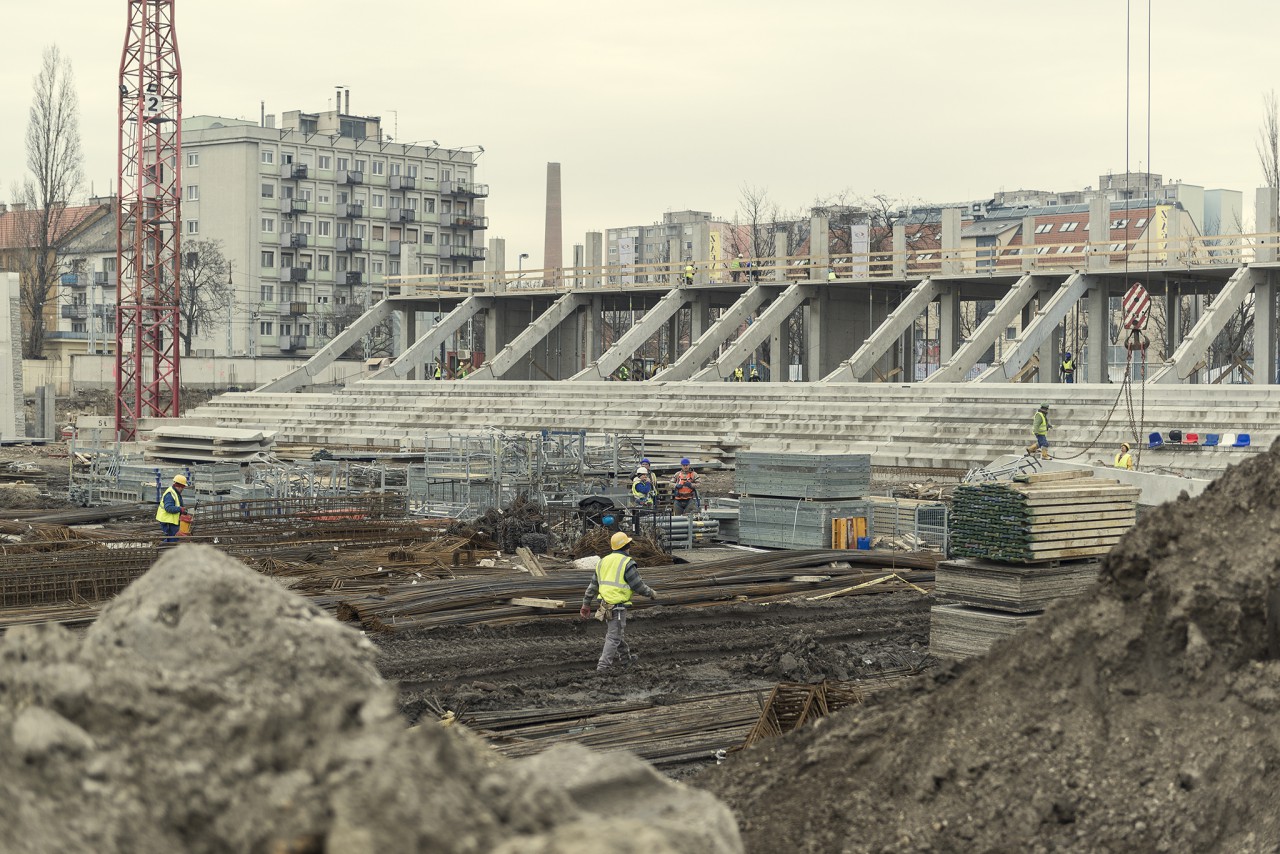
(316, 214)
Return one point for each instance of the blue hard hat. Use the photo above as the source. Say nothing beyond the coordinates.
(1066, 355)
(684, 462)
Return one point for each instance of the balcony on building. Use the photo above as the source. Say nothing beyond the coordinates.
(296, 308)
(290, 343)
(298, 240)
(350, 176)
(106, 280)
(349, 244)
(466, 253)
(75, 312)
(350, 210)
(293, 171)
(463, 220)
(293, 274)
(288, 207)
(403, 182)
(75, 280)
(406, 215)
(393, 247)
(355, 277)
(464, 189)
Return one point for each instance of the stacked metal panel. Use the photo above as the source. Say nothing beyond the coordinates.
(789, 500)
(814, 476)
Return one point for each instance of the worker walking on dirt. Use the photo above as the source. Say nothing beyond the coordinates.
(1040, 429)
(616, 578)
(686, 488)
(170, 509)
(1123, 460)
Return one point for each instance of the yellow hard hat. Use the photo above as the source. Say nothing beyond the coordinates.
(619, 541)
(180, 480)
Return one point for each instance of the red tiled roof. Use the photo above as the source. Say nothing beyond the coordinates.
(16, 226)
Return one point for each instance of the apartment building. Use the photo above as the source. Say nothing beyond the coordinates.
(316, 214)
(681, 236)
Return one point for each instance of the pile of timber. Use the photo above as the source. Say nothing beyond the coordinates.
(1049, 516)
(958, 631)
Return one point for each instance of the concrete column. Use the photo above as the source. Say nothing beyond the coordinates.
(553, 241)
(410, 326)
(780, 252)
(949, 322)
(12, 415)
(1028, 244)
(952, 264)
(815, 314)
(494, 318)
(1099, 257)
(1097, 305)
(495, 264)
(579, 258)
(819, 247)
(1047, 354)
(779, 358)
(1264, 331)
(675, 261)
(46, 426)
(899, 251)
(594, 258)
(701, 252)
(1265, 216)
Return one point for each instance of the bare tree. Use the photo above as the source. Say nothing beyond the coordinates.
(1269, 141)
(54, 160)
(206, 290)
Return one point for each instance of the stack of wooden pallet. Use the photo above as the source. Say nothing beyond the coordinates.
(1056, 515)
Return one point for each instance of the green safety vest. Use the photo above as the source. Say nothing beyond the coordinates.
(1068, 366)
(688, 272)
(1123, 461)
(735, 264)
(1041, 424)
(169, 518)
(610, 575)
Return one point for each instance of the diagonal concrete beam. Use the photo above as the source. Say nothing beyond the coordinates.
(1046, 320)
(853, 369)
(787, 302)
(1184, 360)
(705, 347)
(329, 353)
(622, 349)
(530, 337)
(991, 328)
(420, 351)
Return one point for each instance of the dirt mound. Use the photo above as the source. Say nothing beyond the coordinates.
(809, 658)
(211, 710)
(1145, 717)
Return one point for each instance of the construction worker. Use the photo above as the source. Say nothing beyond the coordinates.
(439, 373)
(737, 374)
(616, 578)
(624, 373)
(686, 488)
(1068, 368)
(1040, 428)
(831, 275)
(170, 509)
(688, 274)
(642, 489)
(1123, 460)
(735, 267)
(755, 375)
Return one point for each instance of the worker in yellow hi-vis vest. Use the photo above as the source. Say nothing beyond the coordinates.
(1040, 429)
(616, 578)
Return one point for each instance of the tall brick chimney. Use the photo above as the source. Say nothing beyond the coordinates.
(553, 241)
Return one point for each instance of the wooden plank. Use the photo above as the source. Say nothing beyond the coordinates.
(1046, 476)
(1083, 510)
(530, 562)
(1054, 545)
(534, 602)
(812, 579)
(1104, 516)
(1077, 535)
(1088, 525)
(1062, 554)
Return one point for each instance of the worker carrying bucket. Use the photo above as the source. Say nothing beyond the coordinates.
(170, 511)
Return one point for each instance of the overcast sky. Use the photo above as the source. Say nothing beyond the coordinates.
(660, 106)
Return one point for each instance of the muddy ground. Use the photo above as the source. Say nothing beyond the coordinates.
(683, 653)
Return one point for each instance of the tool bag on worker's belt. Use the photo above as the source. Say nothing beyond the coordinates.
(604, 612)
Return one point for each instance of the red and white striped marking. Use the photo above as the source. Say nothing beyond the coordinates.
(1136, 307)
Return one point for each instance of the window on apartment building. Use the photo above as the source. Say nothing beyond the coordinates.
(396, 202)
(324, 329)
(1068, 226)
(304, 193)
(344, 230)
(429, 238)
(268, 156)
(268, 258)
(361, 264)
(323, 261)
(1119, 223)
(411, 203)
(395, 266)
(266, 327)
(446, 206)
(359, 230)
(426, 269)
(344, 164)
(343, 197)
(339, 300)
(267, 293)
(304, 329)
(429, 173)
(78, 326)
(1066, 249)
(379, 167)
(322, 197)
(429, 204)
(269, 191)
(379, 232)
(1140, 223)
(286, 192)
(268, 225)
(193, 192)
(444, 238)
(193, 226)
(323, 227)
(342, 264)
(286, 329)
(377, 266)
(324, 161)
(1043, 250)
(1044, 228)
(688, 245)
(304, 261)
(286, 259)
(286, 157)
(322, 299)
(360, 164)
(1118, 247)
(413, 171)
(193, 159)
(308, 226)
(445, 175)
(395, 168)
(379, 200)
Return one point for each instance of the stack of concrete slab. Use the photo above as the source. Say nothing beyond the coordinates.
(197, 444)
(789, 500)
(1058, 515)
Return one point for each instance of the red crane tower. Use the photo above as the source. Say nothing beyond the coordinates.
(149, 217)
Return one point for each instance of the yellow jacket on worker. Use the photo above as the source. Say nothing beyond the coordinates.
(171, 498)
(1123, 459)
(610, 577)
(1040, 424)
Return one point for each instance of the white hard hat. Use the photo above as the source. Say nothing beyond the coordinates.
(642, 470)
